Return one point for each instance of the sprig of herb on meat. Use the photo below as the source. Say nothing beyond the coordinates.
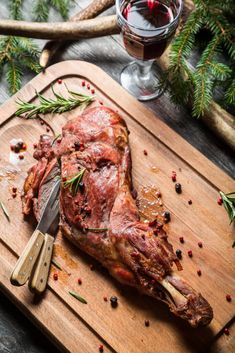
(59, 104)
(229, 204)
(74, 182)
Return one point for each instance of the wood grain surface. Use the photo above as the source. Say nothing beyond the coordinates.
(122, 330)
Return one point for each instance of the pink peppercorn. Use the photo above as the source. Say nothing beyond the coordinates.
(21, 156)
(153, 223)
(145, 152)
(88, 86)
(59, 81)
(105, 299)
(226, 331)
(79, 281)
(83, 83)
(190, 253)
(181, 240)
(92, 91)
(146, 323)
(228, 297)
(190, 202)
(199, 244)
(199, 272)
(35, 145)
(101, 103)
(101, 348)
(219, 201)
(55, 276)
(48, 129)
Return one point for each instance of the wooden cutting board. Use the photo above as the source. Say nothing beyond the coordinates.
(77, 327)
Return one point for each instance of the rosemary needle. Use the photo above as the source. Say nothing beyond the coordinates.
(229, 204)
(59, 104)
(78, 297)
(74, 181)
(3, 207)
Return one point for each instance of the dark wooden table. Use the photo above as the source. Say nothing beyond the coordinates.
(17, 333)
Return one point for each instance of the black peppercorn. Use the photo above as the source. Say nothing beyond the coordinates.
(167, 216)
(178, 188)
(114, 301)
(179, 254)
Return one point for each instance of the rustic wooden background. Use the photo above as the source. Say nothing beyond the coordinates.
(16, 333)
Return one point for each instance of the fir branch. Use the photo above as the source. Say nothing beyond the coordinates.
(58, 105)
(13, 76)
(230, 94)
(42, 7)
(15, 9)
(41, 10)
(62, 6)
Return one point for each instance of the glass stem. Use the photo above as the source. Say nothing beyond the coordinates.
(144, 69)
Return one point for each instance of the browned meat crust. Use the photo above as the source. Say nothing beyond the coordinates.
(102, 217)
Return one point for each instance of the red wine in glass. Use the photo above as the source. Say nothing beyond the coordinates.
(149, 16)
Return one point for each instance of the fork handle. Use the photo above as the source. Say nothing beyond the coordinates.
(38, 279)
(26, 261)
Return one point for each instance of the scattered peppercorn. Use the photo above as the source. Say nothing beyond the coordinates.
(173, 176)
(42, 122)
(199, 244)
(190, 202)
(55, 276)
(48, 129)
(101, 103)
(35, 145)
(88, 86)
(21, 156)
(178, 188)
(167, 216)
(219, 201)
(181, 240)
(91, 267)
(101, 348)
(92, 91)
(145, 152)
(64, 178)
(179, 254)
(59, 81)
(79, 281)
(158, 193)
(114, 301)
(190, 253)
(83, 83)
(14, 195)
(14, 189)
(24, 147)
(105, 299)
(226, 331)
(199, 272)
(147, 323)
(228, 297)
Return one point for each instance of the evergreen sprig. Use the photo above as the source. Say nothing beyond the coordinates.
(42, 7)
(197, 85)
(18, 54)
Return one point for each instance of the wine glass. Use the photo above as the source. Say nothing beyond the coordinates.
(147, 27)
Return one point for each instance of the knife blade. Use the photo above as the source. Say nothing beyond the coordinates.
(28, 258)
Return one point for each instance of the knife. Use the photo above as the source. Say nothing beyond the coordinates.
(26, 262)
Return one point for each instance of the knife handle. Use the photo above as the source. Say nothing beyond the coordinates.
(26, 261)
(38, 280)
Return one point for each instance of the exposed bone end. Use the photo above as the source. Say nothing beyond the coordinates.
(186, 302)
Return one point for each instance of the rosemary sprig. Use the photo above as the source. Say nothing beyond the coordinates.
(96, 230)
(73, 183)
(58, 105)
(78, 297)
(56, 264)
(3, 207)
(56, 138)
(229, 204)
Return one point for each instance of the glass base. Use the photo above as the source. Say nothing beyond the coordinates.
(143, 87)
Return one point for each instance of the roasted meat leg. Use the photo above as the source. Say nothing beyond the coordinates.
(100, 215)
